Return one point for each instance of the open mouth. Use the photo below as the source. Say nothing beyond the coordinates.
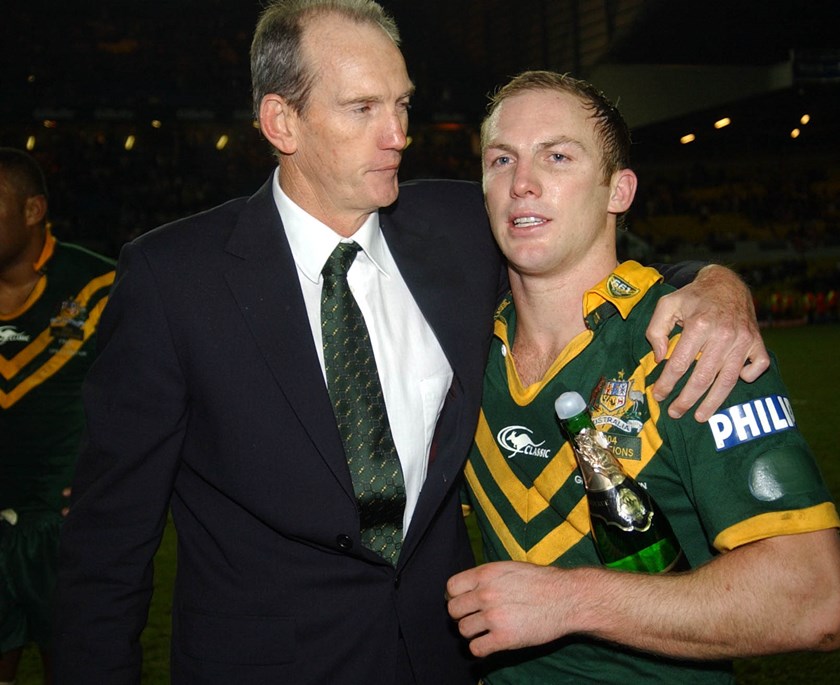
(528, 221)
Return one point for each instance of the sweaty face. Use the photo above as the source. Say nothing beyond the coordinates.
(544, 187)
(350, 137)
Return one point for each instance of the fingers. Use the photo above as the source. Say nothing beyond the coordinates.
(724, 357)
(720, 332)
(460, 606)
(483, 626)
(724, 381)
(681, 358)
(461, 583)
(716, 371)
(744, 365)
(473, 600)
(481, 644)
(759, 362)
(659, 328)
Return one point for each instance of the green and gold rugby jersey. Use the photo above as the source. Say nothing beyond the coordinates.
(747, 474)
(46, 349)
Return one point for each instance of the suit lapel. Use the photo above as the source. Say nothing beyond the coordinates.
(266, 287)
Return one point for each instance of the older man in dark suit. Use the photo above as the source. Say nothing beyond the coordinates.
(217, 392)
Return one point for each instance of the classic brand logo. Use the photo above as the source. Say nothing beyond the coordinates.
(12, 334)
(751, 420)
(517, 440)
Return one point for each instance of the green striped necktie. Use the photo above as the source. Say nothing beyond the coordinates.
(356, 394)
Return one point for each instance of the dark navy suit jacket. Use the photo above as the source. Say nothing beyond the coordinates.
(207, 395)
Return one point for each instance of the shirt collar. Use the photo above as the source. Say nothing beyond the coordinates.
(622, 290)
(46, 251)
(619, 293)
(312, 242)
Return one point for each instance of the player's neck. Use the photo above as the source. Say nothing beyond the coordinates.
(549, 315)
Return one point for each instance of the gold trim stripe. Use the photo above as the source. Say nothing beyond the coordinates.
(510, 544)
(56, 362)
(37, 291)
(9, 367)
(808, 520)
(528, 502)
(565, 536)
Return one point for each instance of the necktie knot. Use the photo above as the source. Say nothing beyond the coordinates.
(340, 260)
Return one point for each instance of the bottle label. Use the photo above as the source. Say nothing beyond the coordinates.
(622, 507)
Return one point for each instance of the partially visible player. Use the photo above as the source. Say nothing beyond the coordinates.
(51, 296)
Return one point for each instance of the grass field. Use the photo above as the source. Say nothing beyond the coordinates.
(805, 355)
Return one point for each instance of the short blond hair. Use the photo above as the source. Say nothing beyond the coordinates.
(610, 126)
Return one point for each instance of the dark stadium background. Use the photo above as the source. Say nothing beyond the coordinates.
(81, 78)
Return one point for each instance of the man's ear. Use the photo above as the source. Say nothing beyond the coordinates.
(35, 210)
(622, 191)
(278, 123)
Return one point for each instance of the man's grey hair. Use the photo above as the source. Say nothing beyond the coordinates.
(277, 61)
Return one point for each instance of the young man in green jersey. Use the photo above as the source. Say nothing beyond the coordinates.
(51, 297)
(741, 491)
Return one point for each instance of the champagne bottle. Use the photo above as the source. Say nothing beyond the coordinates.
(630, 531)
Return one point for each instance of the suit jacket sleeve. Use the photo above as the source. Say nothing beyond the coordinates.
(681, 273)
(135, 407)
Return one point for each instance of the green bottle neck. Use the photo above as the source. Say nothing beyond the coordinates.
(575, 424)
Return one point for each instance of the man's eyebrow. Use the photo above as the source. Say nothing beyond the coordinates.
(498, 146)
(361, 99)
(562, 140)
(545, 145)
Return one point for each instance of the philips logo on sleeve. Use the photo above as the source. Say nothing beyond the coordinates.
(751, 420)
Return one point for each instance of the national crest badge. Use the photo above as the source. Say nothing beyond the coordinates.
(70, 321)
(614, 395)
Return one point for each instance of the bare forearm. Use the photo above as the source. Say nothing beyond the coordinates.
(759, 599)
(775, 595)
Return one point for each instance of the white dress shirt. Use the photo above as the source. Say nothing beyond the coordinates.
(413, 370)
